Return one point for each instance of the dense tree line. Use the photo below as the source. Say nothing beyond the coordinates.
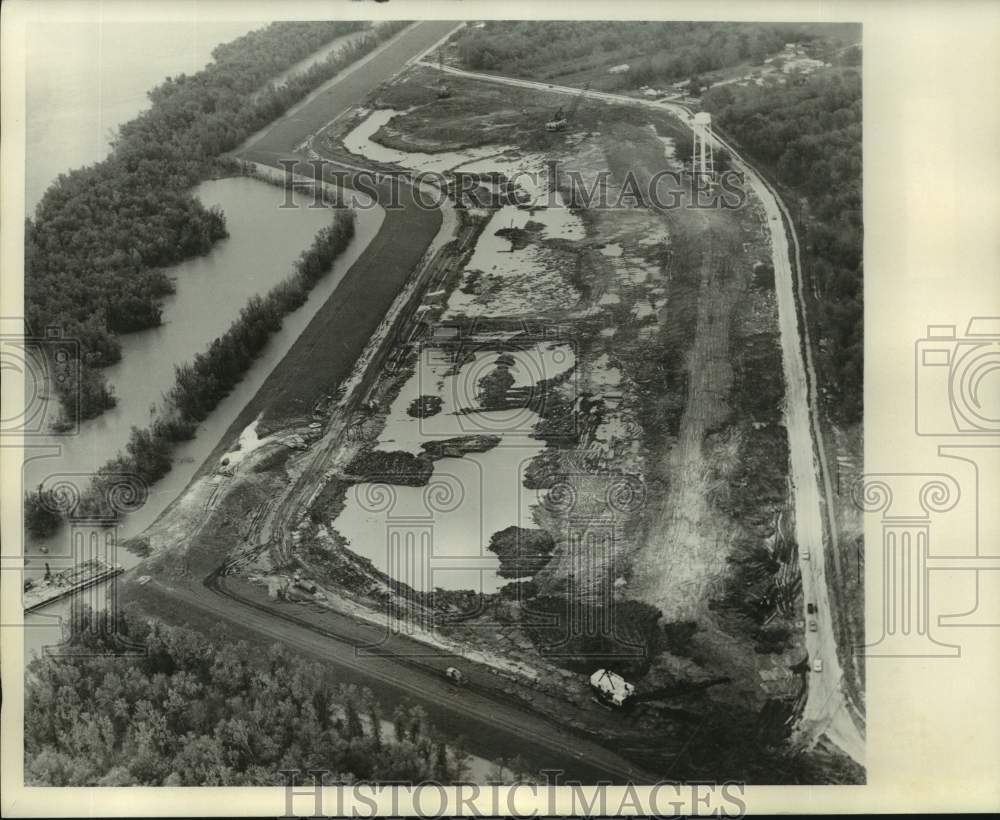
(197, 711)
(807, 133)
(202, 384)
(656, 52)
(40, 512)
(101, 235)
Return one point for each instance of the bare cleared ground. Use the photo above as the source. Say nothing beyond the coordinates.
(689, 541)
(672, 463)
(658, 305)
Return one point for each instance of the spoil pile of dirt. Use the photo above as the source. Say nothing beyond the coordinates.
(522, 551)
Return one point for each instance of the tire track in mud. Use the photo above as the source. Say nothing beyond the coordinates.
(827, 709)
(333, 341)
(690, 540)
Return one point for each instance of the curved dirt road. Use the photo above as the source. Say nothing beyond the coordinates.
(827, 711)
(397, 670)
(499, 725)
(491, 725)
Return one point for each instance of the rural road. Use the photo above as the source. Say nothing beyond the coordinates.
(348, 88)
(399, 670)
(826, 710)
(491, 724)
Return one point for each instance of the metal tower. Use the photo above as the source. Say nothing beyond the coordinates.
(702, 157)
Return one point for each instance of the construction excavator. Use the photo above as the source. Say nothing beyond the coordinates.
(561, 119)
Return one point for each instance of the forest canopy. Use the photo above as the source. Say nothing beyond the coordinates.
(807, 134)
(192, 710)
(655, 52)
(101, 235)
(804, 130)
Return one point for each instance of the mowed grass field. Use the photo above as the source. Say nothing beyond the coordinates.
(350, 87)
(326, 351)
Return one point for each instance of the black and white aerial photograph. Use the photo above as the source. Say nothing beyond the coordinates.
(468, 402)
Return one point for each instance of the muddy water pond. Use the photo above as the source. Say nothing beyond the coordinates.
(437, 535)
(264, 241)
(501, 279)
(359, 141)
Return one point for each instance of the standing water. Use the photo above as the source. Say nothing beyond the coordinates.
(264, 241)
(438, 535)
(451, 520)
(85, 79)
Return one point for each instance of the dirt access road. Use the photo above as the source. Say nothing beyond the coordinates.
(332, 342)
(827, 710)
(328, 348)
(396, 673)
(349, 88)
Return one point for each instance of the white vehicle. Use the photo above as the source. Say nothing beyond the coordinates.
(611, 688)
(805, 555)
(455, 676)
(818, 665)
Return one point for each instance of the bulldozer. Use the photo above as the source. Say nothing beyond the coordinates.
(558, 122)
(561, 119)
